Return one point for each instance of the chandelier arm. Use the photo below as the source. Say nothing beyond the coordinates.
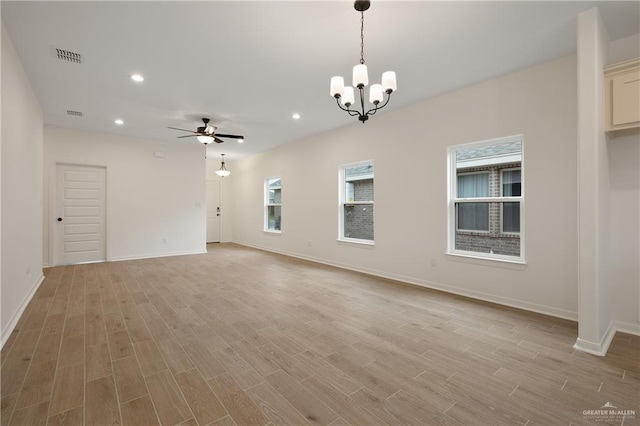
(373, 110)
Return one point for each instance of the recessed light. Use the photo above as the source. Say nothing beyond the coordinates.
(296, 116)
(137, 77)
(119, 122)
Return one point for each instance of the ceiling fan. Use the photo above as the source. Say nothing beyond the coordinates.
(207, 133)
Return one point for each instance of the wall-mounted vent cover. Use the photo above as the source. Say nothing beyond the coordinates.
(74, 113)
(67, 55)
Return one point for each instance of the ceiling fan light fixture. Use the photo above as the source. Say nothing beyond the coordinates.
(204, 139)
(207, 133)
(222, 171)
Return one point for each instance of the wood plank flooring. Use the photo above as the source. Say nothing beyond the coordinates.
(245, 337)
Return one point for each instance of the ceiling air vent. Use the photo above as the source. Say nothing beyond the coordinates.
(74, 113)
(67, 55)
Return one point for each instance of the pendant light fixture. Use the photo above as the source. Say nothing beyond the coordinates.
(222, 171)
(345, 95)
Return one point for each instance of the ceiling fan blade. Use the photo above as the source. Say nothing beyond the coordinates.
(184, 130)
(186, 136)
(218, 140)
(222, 135)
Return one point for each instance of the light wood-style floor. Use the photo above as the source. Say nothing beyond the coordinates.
(240, 336)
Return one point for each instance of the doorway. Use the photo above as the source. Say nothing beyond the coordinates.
(79, 226)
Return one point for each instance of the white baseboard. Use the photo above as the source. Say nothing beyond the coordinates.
(8, 329)
(600, 348)
(625, 327)
(514, 303)
(152, 256)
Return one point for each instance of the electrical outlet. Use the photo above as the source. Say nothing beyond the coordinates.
(434, 262)
(28, 270)
(309, 243)
(164, 241)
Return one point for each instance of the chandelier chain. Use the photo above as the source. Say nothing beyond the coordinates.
(362, 37)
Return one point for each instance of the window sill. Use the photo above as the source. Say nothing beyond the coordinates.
(271, 231)
(478, 259)
(488, 234)
(356, 242)
(471, 232)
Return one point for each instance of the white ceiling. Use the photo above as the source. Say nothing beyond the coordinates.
(250, 65)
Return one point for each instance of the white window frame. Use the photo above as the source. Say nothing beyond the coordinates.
(452, 200)
(267, 205)
(342, 203)
(502, 231)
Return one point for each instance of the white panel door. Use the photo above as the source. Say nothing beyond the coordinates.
(80, 214)
(213, 212)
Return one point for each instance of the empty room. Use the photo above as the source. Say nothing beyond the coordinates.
(320, 212)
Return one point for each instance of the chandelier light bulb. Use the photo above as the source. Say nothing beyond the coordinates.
(389, 81)
(375, 94)
(348, 98)
(337, 86)
(360, 76)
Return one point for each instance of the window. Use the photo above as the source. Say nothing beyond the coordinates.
(473, 216)
(511, 187)
(273, 204)
(356, 202)
(486, 199)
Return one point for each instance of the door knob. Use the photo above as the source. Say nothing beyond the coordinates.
(59, 219)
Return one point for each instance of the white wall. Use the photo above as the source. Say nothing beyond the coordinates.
(226, 195)
(624, 49)
(148, 199)
(624, 170)
(409, 148)
(21, 251)
(624, 166)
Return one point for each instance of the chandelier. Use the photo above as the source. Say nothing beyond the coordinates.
(345, 95)
(222, 171)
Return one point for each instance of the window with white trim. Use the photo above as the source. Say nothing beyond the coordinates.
(273, 204)
(356, 202)
(486, 199)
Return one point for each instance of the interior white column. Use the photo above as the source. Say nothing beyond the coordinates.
(594, 333)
